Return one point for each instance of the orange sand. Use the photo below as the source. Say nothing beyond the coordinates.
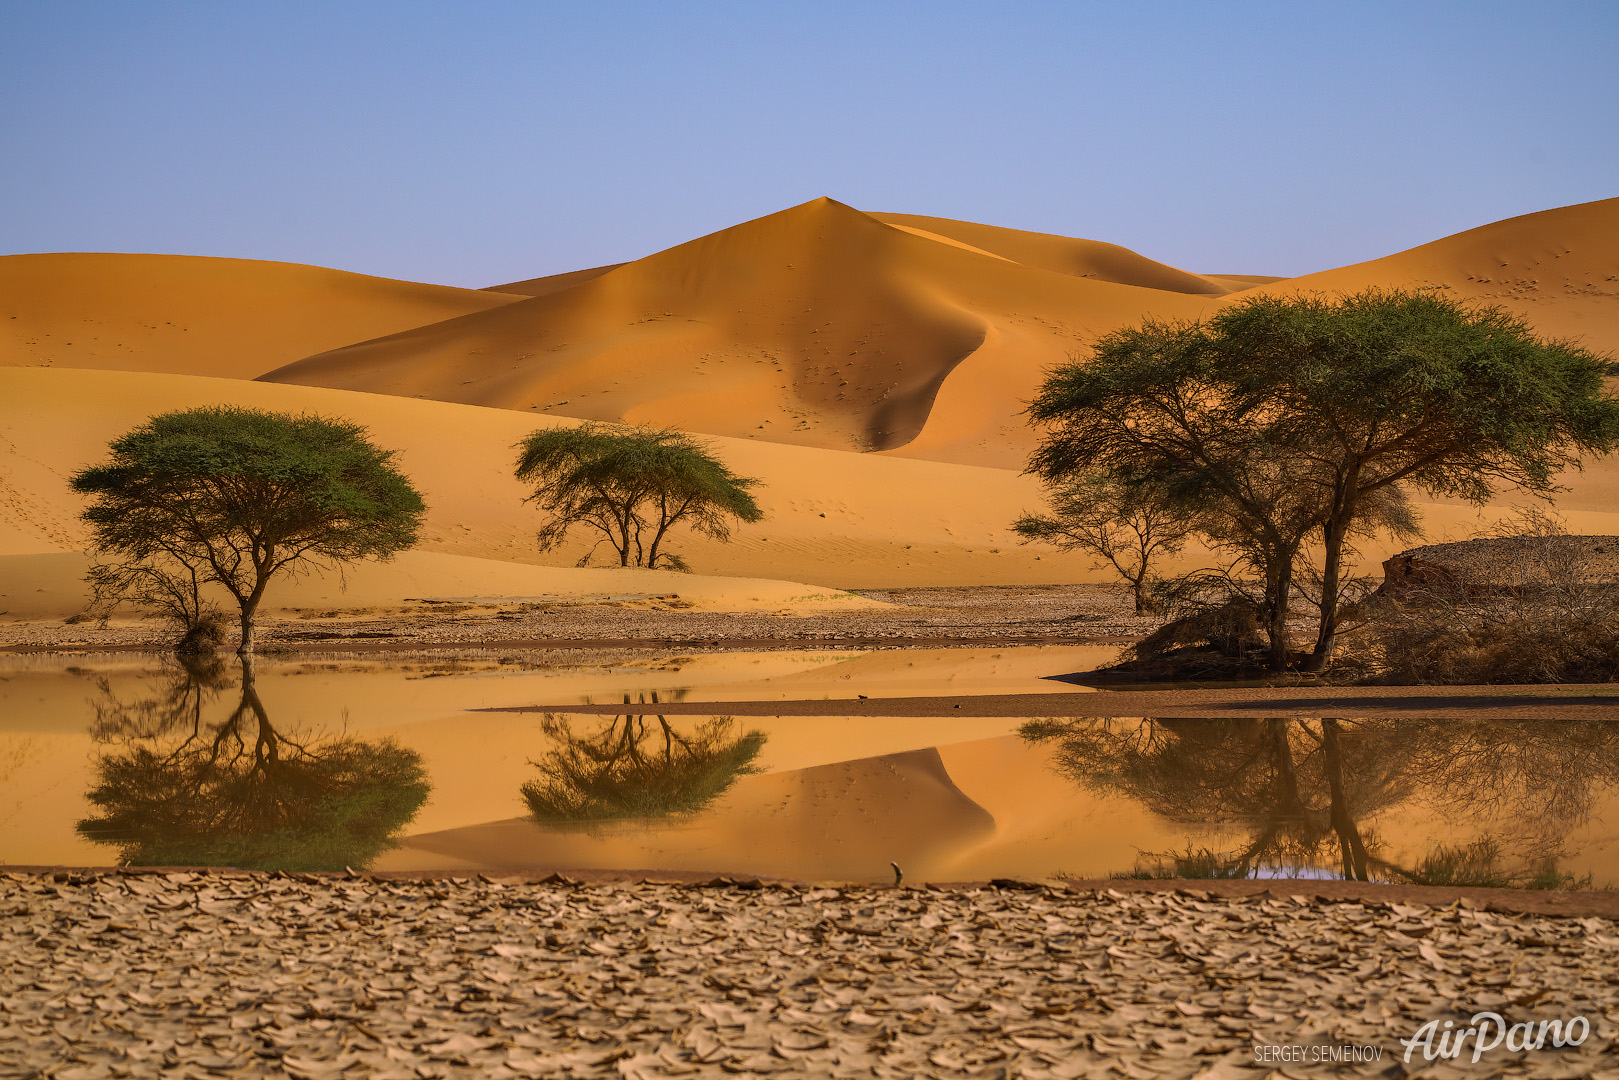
(793, 338)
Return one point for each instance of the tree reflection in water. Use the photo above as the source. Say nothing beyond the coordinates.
(631, 768)
(177, 790)
(1303, 789)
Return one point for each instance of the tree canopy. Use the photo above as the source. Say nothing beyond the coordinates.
(631, 486)
(1287, 422)
(235, 496)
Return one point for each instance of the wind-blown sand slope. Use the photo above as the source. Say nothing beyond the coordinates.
(1062, 254)
(919, 336)
(833, 518)
(818, 326)
(188, 315)
(1558, 269)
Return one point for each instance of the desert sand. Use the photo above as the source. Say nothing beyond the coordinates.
(235, 318)
(791, 341)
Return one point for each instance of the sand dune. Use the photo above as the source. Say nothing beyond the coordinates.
(793, 338)
(919, 336)
(817, 326)
(833, 518)
(1558, 269)
(1062, 254)
(542, 286)
(235, 318)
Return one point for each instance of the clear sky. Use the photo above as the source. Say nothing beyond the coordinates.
(472, 143)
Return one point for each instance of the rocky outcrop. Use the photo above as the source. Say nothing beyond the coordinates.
(1492, 564)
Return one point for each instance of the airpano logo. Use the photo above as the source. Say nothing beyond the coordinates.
(1488, 1031)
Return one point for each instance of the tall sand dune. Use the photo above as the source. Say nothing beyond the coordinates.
(918, 336)
(1557, 269)
(816, 326)
(233, 318)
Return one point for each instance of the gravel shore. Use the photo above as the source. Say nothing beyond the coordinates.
(990, 614)
(234, 974)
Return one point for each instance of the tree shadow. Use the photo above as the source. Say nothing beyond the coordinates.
(175, 788)
(636, 767)
(1304, 790)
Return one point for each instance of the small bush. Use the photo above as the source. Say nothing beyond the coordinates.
(204, 635)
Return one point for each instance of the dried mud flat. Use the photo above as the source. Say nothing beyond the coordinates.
(223, 974)
(990, 614)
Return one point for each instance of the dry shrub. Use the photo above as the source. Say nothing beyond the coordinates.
(1520, 609)
(1214, 632)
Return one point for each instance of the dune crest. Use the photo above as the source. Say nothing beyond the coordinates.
(1062, 254)
(1557, 269)
(819, 325)
(190, 315)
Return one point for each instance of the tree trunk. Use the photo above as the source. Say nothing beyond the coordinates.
(1144, 602)
(1276, 628)
(250, 607)
(1331, 574)
(246, 647)
(1351, 848)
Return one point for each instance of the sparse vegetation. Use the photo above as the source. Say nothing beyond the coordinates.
(1290, 424)
(631, 486)
(234, 497)
(1526, 608)
(1129, 528)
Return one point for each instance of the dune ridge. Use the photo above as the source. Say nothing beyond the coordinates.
(818, 326)
(193, 315)
(911, 335)
(1557, 269)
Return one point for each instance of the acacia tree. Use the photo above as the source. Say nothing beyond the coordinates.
(1286, 421)
(1382, 389)
(239, 495)
(631, 486)
(1127, 528)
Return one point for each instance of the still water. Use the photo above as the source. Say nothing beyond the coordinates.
(324, 763)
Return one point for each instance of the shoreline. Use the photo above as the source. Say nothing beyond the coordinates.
(1570, 701)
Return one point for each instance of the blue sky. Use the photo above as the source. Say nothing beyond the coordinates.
(473, 143)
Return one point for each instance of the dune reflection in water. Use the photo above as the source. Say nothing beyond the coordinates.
(308, 762)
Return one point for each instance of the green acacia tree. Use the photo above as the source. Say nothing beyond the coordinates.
(1291, 421)
(631, 486)
(236, 496)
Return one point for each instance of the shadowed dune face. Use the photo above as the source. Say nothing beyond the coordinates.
(188, 315)
(819, 326)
